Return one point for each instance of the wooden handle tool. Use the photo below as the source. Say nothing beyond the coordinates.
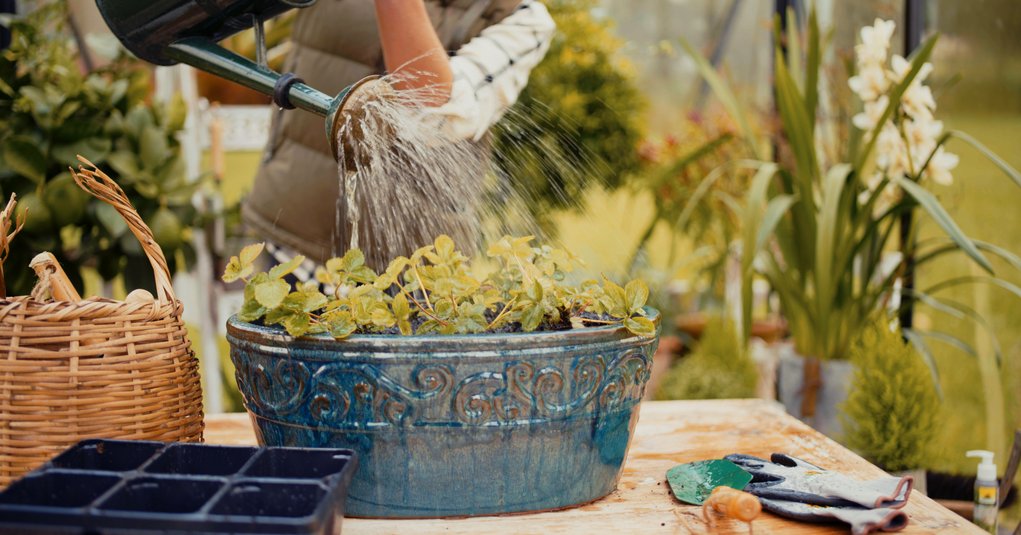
(732, 503)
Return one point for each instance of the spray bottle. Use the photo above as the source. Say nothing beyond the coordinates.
(986, 492)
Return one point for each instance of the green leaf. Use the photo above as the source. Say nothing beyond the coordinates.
(390, 276)
(241, 266)
(111, 220)
(640, 326)
(177, 113)
(617, 305)
(251, 311)
(271, 293)
(96, 149)
(250, 252)
(363, 274)
(988, 153)
(534, 292)
(444, 246)
(23, 156)
(400, 306)
(305, 301)
(531, 317)
(353, 259)
(814, 52)
(931, 205)
(637, 294)
(287, 268)
(798, 125)
(297, 324)
(726, 97)
(342, 327)
(126, 165)
(233, 271)
(153, 148)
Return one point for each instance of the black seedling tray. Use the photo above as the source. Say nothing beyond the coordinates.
(120, 487)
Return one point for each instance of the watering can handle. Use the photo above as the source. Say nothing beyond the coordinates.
(288, 91)
(208, 56)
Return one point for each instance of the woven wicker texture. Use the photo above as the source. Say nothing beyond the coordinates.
(95, 368)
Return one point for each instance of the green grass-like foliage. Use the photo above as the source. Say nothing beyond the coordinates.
(435, 292)
(892, 411)
(719, 368)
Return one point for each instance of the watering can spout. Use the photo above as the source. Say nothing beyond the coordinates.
(187, 31)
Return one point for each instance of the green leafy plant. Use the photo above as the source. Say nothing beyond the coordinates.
(579, 121)
(819, 215)
(690, 186)
(892, 412)
(49, 112)
(434, 291)
(816, 228)
(718, 368)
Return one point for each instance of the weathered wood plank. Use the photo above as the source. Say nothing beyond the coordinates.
(668, 433)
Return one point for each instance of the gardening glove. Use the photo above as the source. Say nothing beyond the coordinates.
(861, 520)
(790, 479)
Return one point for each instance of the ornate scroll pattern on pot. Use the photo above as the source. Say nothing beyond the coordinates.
(355, 394)
(522, 393)
(275, 385)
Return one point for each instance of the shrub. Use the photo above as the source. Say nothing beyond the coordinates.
(890, 416)
(579, 121)
(719, 368)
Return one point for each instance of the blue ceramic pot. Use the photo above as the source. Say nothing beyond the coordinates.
(453, 425)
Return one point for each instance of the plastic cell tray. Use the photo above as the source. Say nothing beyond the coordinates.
(120, 487)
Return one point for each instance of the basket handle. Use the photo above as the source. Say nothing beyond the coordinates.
(99, 185)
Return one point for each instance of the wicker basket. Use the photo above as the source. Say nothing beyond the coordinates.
(95, 368)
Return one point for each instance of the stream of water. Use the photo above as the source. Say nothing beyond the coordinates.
(403, 183)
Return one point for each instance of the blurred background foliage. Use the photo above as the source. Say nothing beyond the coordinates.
(53, 108)
(578, 123)
(718, 368)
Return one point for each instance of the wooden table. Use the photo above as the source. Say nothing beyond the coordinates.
(668, 433)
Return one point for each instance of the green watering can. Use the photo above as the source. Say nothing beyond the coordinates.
(165, 32)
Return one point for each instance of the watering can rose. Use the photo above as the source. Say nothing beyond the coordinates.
(434, 291)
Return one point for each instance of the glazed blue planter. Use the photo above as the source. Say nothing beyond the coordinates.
(453, 425)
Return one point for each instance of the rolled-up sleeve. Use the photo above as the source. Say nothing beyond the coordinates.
(491, 70)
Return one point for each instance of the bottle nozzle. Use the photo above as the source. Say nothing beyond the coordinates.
(986, 468)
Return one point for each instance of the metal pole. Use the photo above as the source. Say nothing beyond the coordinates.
(914, 26)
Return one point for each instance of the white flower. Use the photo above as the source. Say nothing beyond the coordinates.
(922, 135)
(875, 42)
(917, 100)
(891, 153)
(869, 117)
(869, 83)
(900, 66)
(941, 165)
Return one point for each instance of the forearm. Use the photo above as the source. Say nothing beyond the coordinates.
(410, 46)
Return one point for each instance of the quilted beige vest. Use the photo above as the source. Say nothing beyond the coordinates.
(335, 43)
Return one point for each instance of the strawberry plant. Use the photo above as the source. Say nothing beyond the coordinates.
(436, 291)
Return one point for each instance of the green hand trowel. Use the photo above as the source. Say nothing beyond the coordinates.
(692, 483)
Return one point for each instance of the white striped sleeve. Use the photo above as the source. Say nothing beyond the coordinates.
(491, 70)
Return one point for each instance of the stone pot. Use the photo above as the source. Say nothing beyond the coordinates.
(453, 425)
(835, 382)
